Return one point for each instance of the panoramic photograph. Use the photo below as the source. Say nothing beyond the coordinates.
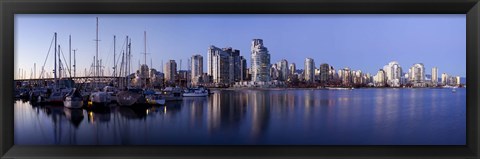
(240, 79)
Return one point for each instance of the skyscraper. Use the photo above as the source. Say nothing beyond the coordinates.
(347, 77)
(243, 68)
(417, 74)
(219, 65)
(357, 77)
(170, 70)
(224, 65)
(212, 50)
(393, 73)
(274, 72)
(292, 68)
(380, 79)
(234, 66)
(324, 73)
(197, 68)
(444, 79)
(283, 67)
(435, 76)
(309, 70)
(260, 62)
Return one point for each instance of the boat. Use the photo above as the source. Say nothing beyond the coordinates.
(339, 88)
(454, 90)
(37, 94)
(172, 94)
(155, 98)
(112, 91)
(196, 92)
(100, 98)
(130, 97)
(57, 96)
(73, 99)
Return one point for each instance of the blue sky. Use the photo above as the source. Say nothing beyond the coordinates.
(361, 42)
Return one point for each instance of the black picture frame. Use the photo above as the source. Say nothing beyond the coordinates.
(8, 8)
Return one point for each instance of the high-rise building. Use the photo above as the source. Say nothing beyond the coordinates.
(197, 68)
(347, 77)
(234, 73)
(457, 80)
(309, 70)
(170, 71)
(380, 79)
(224, 65)
(393, 73)
(243, 69)
(340, 74)
(417, 73)
(283, 69)
(218, 65)
(317, 74)
(324, 73)
(444, 79)
(292, 68)
(434, 76)
(260, 63)
(274, 73)
(357, 77)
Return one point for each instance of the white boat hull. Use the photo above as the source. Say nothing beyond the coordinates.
(100, 98)
(195, 94)
(73, 104)
(157, 102)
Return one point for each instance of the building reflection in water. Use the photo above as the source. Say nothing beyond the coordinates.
(260, 103)
(300, 116)
(226, 111)
(196, 107)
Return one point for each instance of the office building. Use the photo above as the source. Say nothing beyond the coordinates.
(224, 65)
(380, 79)
(197, 68)
(260, 61)
(393, 73)
(435, 76)
(417, 73)
(292, 68)
(282, 66)
(309, 70)
(170, 71)
(324, 73)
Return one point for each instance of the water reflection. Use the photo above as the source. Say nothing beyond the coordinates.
(364, 116)
(75, 116)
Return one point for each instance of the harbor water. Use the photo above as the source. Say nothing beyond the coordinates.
(370, 116)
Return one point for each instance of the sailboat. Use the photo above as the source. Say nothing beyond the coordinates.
(73, 99)
(99, 97)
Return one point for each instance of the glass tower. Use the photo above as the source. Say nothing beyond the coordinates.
(260, 62)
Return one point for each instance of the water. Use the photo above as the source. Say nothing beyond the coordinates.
(271, 117)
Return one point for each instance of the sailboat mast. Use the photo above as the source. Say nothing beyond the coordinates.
(145, 53)
(114, 58)
(126, 57)
(70, 56)
(74, 64)
(55, 68)
(97, 71)
(59, 63)
(145, 46)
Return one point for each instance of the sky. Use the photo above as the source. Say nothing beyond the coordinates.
(363, 42)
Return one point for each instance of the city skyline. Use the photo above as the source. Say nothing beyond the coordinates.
(28, 39)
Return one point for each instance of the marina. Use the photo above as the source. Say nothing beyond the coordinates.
(271, 93)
